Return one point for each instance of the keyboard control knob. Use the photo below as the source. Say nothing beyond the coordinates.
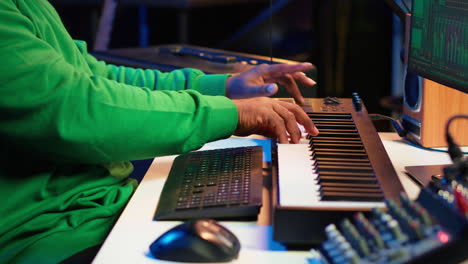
(357, 102)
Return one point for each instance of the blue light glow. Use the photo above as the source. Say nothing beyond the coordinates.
(170, 237)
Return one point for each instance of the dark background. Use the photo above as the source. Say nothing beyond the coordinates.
(348, 40)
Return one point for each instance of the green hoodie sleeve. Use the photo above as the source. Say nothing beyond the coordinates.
(212, 84)
(57, 110)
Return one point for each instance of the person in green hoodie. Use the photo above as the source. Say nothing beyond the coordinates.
(69, 124)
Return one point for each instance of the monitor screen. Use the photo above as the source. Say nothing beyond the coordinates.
(439, 42)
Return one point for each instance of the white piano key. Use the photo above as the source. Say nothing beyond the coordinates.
(297, 182)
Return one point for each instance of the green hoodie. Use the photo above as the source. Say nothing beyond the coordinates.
(69, 124)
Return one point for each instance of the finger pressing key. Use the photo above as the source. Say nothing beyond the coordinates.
(302, 118)
(289, 120)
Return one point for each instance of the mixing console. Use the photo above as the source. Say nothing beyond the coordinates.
(431, 229)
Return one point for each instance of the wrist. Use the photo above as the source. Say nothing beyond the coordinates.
(229, 85)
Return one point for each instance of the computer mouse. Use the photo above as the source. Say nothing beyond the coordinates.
(202, 240)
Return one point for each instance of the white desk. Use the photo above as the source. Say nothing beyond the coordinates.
(135, 230)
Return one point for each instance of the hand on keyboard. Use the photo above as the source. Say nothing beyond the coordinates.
(272, 118)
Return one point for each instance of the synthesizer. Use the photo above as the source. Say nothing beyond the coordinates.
(323, 179)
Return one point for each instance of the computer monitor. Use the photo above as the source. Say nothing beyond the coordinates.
(438, 47)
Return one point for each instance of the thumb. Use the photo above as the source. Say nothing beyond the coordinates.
(263, 90)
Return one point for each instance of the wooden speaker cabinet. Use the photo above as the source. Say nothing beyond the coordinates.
(426, 114)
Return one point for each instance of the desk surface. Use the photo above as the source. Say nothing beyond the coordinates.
(135, 230)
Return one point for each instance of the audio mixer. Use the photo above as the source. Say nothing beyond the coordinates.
(431, 229)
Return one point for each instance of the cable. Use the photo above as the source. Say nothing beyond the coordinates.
(453, 149)
(403, 133)
(459, 170)
(396, 124)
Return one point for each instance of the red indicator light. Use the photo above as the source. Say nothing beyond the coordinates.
(443, 237)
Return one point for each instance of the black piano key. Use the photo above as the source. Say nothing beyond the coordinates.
(348, 156)
(350, 190)
(333, 122)
(351, 196)
(346, 179)
(319, 145)
(338, 150)
(350, 185)
(327, 113)
(344, 127)
(324, 134)
(347, 174)
(342, 144)
(322, 168)
(336, 125)
(328, 118)
(344, 132)
(334, 159)
(336, 139)
(332, 116)
(329, 129)
(329, 124)
(357, 163)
